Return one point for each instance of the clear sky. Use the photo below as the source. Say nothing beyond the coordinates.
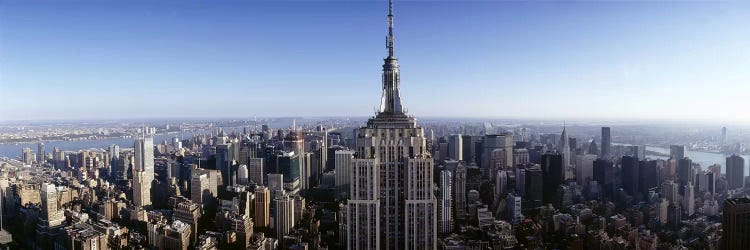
(141, 59)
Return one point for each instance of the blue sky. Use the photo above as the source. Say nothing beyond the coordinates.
(572, 60)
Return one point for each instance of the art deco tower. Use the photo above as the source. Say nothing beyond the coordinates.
(392, 205)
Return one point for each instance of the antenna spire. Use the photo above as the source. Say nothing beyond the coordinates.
(390, 29)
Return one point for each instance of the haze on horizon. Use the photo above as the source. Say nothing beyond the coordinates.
(137, 59)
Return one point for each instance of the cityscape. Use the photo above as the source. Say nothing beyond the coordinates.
(389, 180)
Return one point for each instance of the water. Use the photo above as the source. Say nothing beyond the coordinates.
(705, 159)
(14, 150)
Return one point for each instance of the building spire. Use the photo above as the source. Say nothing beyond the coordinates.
(390, 102)
(389, 40)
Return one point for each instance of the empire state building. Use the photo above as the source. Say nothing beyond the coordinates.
(392, 205)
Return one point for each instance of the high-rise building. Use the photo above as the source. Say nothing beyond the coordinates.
(283, 216)
(455, 147)
(513, 208)
(445, 222)
(224, 162)
(638, 151)
(685, 172)
(201, 189)
(275, 183)
(553, 175)
(688, 200)
(736, 224)
(288, 165)
(724, 135)
(735, 172)
(563, 147)
(606, 143)
(40, 153)
(242, 175)
(502, 145)
(593, 148)
(142, 188)
(677, 151)
(343, 162)
(468, 153)
(604, 174)
(520, 174)
(27, 156)
(459, 193)
(630, 176)
(648, 175)
(584, 168)
(534, 192)
(363, 208)
(144, 155)
(520, 156)
(143, 173)
(262, 206)
(52, 215)
(255, 171)
(188, 212)
(394, 143)
(669, 190)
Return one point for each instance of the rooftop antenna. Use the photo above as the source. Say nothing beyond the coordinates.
(389, 39)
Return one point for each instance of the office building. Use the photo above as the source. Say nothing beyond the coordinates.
(40, 153)
(455, 147)
(606, 143)
(445, 222)
(677, 151)
(688, 200)
(284, 215)
(563, 147)
(343, 161)
(255, 171)
(242, 175)
(262, 206)
(630, 176)
(394, 143)
(584, 168)
(736, 224)
(735, 171)
(552, 174)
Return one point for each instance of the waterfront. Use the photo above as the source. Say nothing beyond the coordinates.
(14, 150)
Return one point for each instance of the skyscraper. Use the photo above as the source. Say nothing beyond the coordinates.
(677, 151)
(630, 174)
(51, 214)
(564, 148)
(40, 153)
(735, 172)
(685, 172)
(143, 171)
(455, 147)
(446, 202)
(736, 224)
(394, 144)
(606, 142)
(688, 200)
(283, 216)
(262, 206)
(343, 161)
(584, 168)
(553, 175)
(255, 170)
(459, 191)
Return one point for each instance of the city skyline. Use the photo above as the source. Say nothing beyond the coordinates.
(487, 56)
(392, 181)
